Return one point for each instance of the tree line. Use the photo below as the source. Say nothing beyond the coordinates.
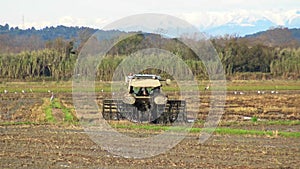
(57, 60)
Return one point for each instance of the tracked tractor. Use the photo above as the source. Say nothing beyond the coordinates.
(144, 101)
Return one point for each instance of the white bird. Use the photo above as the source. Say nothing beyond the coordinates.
(272, 91)
(235, 92)
(52, 97)
(258, 92)
(16, 92)
(241, 93)
(5, 91)
(49, 91)
(207, 87)
(102, 90)
(23, 91)
(246, 118)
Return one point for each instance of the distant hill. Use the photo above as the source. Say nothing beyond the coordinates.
(276, 37)
(14, 39)
(47, 33)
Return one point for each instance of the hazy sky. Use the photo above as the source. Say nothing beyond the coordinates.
(98, 13)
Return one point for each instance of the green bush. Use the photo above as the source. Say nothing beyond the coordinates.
(254, 119)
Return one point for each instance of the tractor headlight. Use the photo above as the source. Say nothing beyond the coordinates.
(160, 99)
(129, 99)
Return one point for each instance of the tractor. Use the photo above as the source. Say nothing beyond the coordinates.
(144, 101)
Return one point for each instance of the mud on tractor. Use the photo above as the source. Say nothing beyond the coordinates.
(144, 101)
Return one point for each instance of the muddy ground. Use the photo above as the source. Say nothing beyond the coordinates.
(66, 146)
(50, 146)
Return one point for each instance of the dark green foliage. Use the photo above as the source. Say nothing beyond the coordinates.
(287, 64)
(55, 59)
(46, 63)
(241, 56)
(254, 119)
(48, 33)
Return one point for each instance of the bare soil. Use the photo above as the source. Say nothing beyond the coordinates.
(66, 146)
(49, 146)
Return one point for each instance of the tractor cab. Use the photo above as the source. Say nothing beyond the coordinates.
(144, 85)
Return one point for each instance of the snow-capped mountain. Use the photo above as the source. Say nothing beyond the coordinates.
(243, 22)
(294, 21)
(240, 29)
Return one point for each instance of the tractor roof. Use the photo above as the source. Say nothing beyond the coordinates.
(144, 80)
(145, 83)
